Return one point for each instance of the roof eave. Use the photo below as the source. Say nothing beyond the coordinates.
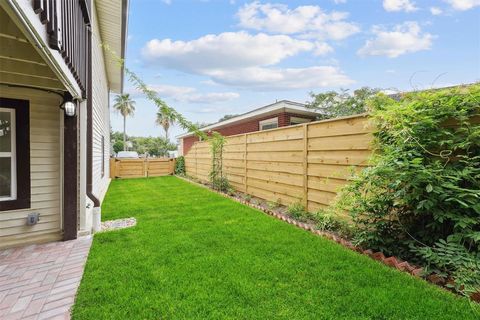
(115, 72)
(282, 106)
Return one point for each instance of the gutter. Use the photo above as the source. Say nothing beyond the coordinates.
(96, 202)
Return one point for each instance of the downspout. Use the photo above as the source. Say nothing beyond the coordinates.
(96, 203)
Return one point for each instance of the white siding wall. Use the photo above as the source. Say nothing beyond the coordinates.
(101, 114)
(45, 159)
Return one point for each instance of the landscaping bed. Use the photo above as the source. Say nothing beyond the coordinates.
(196, 254)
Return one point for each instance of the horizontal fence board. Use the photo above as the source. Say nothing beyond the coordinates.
(350, 142)
(138, 168)
(278, 168)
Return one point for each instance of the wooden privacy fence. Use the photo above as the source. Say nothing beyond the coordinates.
(306, 163)
(138, 168)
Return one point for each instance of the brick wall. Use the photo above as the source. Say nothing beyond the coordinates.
(245, 127)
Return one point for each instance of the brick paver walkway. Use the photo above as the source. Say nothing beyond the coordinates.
(40, 281)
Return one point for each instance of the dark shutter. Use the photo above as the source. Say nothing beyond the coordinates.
(22, 145)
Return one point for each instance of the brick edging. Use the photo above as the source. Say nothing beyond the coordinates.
(390, 261)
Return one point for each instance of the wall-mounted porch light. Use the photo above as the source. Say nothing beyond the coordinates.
(69, 107)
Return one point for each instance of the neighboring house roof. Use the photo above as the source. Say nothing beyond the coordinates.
(113, 21)
(271, 109)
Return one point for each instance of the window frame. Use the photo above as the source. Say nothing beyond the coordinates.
(299, 120)
(21, 111)
(12, 155)
(268, 122)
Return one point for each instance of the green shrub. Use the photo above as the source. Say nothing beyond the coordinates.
(296, 210)
(180, 166)
(424, 183)
(220, 184)
(274, 204)
(325, 221)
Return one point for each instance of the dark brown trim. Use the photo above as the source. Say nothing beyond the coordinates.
(70, 176)
(96, 202)
(125, 5)
(22, 145)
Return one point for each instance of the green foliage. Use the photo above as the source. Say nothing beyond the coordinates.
(180, 166)
(274, 204)
(247, 197)
(165, 120)
(325, 221)
(118, 146)
(449, 259)
(334, 104)
(154, 146)
(124, 104)
(424, 183)
(217, 177)
(297, 210)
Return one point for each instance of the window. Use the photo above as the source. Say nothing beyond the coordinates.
(268, 124)
(8, 172)
(297, 120)
(103, 156)
(14, 154)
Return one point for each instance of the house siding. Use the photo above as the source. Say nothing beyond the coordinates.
(244, 127)
(101, 114)
(45, 168)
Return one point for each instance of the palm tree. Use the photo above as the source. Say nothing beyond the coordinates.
(165, 120)
(126, 106)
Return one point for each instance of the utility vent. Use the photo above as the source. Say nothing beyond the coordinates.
(33, 219)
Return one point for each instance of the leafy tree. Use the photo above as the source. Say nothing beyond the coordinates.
(164, 120)
(118, 146)
(334, 104)
(154, 146)
(227, 116)
(126, 107)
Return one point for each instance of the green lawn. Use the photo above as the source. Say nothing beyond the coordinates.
(197, 255)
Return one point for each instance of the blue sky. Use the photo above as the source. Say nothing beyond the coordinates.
(211, 58)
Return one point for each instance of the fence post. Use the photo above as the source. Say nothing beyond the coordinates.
(112, 168)
(196, 160)
(305, 165)
(145, 167)
(245, 162)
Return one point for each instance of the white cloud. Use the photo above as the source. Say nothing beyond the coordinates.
(436, 11)
(463, 5)
(188, 94)
(229, 50)
(399, 5)
(258, 78)
(307, 21)
(404, 38)
(322, 48)
(212, 97)
(339, 1)
(242, 60)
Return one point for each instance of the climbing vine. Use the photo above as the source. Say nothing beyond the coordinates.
(216, 140)
(217, 176)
